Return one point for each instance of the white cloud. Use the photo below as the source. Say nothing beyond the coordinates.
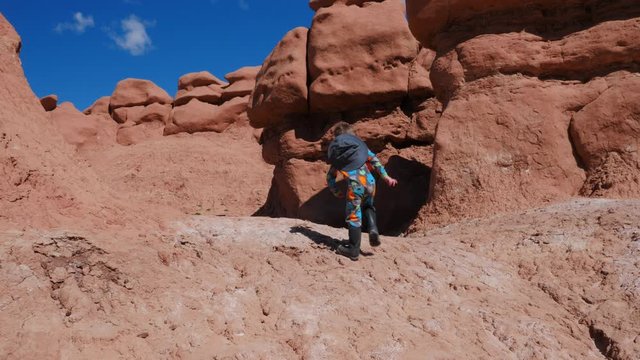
(79, 25)
(134, 38)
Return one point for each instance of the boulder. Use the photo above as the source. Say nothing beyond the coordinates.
(49, 102)
(197, 79)
(131, 133)
(198, 116)
(303, 140)
(509, 91)
(419, 74)
(281, 85)
(606, 136)
(298, 190)
(308, 138)
(241, 82)
(359, 56)
(100, 106)
(140, 114)
(502, 145)
(211, 94)
(424, 122)
(441, 23)
(136, 92)
(379, 126)
(579, 55)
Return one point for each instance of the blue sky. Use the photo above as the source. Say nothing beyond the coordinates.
(82, 48)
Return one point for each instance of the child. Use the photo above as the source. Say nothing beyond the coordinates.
(351, 157)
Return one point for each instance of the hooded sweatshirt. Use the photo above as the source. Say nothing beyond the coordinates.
(347, 152)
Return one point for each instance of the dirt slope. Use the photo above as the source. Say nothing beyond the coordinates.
(203, 173)
(560, 282)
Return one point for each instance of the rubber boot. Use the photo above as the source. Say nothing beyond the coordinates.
(374, 238)
(352, 250)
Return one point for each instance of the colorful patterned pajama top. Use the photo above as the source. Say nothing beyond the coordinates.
(361, 187)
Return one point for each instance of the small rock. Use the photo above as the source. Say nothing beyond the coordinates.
(59, 275)
(49, 102)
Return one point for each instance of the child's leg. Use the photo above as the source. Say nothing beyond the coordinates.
(370, 217)
(354, 221)
(354, 206)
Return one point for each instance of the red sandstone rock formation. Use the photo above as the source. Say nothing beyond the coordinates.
(198, 79)
(211, 94)
(49, 102)
(526, 100)
(606, 136)
(281, 89)
(197, 116)
(142, 108)
(83, 130)
(359, 56)
(138, 92)
(44, 183)
(199, 85)
(520, 101)
(555, 282)
(100, 106)
(205, 103)
(241, 82)
(364, 69)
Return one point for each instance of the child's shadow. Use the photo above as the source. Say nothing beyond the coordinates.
(318, 238)
(322, 239)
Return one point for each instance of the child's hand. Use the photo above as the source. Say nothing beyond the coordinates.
(391, 181)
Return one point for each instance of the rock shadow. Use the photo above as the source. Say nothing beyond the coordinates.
(396, 207)
(328, 242)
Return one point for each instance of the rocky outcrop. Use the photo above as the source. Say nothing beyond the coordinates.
(420, 85)
(139, 114)
(100, 106)
(131, 133)
(359, 56)
(197, 116)
(83, 131)
(198, 79)
(533, 109)
(361, 60)
(49, 102)
(43, 184)
(210, 94)
(205, 103)
(241, 82)
(142, 108)
(138, 92)
(281, 89)
(199, 85)
(606, 137)
(507, 97)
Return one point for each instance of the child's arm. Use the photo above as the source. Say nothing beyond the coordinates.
(377, 165)
(332, 174)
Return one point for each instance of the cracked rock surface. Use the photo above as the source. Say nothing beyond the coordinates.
(557, 282)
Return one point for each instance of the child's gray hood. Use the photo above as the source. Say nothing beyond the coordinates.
(347, 152)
